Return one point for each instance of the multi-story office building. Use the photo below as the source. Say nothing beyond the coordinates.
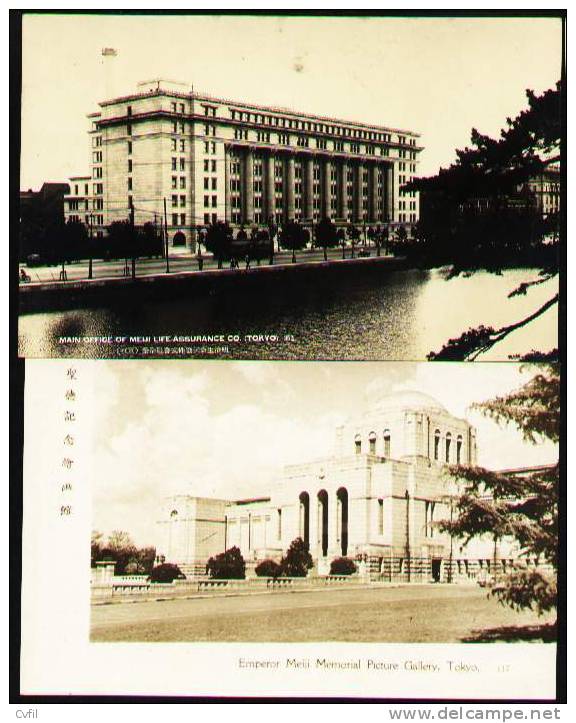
(78, 205)
(168, 151)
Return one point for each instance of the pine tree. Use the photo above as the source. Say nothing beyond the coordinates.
(523, 507)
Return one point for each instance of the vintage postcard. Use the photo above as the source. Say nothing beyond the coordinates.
(315, 188)
(242, 240)
(338, 529)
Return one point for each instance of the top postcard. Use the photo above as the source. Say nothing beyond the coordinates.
(282, 187)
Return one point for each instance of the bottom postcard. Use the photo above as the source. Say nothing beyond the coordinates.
(345, 530)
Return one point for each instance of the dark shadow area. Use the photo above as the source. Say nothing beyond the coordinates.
(514, 634)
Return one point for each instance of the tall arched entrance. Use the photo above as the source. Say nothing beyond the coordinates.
(305, 517)
(179, 239)
(342, 521)
(323, 521)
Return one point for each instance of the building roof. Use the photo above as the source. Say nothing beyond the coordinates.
(199, 96)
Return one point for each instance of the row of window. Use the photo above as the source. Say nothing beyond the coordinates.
(372, 437)
(178, 219)
(306, 125)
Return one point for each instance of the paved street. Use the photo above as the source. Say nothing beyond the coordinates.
(411, 613)
(150, 267)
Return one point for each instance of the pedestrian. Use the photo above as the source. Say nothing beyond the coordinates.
(247, 261)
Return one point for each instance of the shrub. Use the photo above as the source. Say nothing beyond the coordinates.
(227, 565)
(166, 573)
(297, 560)
(342, 566)
(268, 568)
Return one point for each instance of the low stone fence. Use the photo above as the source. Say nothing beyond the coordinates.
(134, 586)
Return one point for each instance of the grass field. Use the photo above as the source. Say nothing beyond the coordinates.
(409, 614)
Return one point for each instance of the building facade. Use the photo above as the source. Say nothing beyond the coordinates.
(168, 152)
(78, 203)
(376, 499)
(544, 190)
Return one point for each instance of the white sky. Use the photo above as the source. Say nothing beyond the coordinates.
(226, 428)
(439, 77)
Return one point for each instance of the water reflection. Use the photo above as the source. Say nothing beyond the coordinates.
(402, 315)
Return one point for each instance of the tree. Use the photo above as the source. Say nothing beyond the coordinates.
(167, 572)
(96, 547)
(476, 214)
(218, 241)
(293, 236)
(342, 566)
(297, 560)
(521, 507)
(325, 235)
(227, 565)
(354, 236)
(268, 568)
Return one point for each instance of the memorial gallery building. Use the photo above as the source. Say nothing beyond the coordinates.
(376, 500)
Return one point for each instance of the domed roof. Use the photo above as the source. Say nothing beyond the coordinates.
(408, 400)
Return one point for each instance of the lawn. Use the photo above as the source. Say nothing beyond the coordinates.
(411, 614)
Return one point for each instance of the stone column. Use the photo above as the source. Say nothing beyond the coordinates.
(227, 199)
(249, 186)
(289, 188)
(390, 192)
(359, 211)
(374, 193)
(327, 190)
(309, 191)
(344, 191)
(270, 188)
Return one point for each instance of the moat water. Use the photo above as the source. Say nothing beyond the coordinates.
(402, 315)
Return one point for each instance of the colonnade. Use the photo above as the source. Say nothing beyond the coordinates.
(323, 189)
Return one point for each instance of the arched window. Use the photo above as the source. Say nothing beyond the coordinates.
(436, 444)
(448, 445)
(358, 443)
(387, 443)
(305, 517)
(342, 521)
(459, 449)
(372, 442)
(322, 525)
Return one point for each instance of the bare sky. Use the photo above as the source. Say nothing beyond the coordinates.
(439, 77)
(226, 429)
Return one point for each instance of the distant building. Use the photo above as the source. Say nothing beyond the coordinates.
(40, 212)
(78, 202)
(213, 159)
(376, 500)
(544, 190)
(43, 207)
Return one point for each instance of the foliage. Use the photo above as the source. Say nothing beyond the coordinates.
(167, 572)
(325, 234)
(127, 241)
(119, 547)
(268, 568)
(342, 566)
(218, 240)
(227, 565)
(293, 236)
(479, 214)
(523, 507)
(297, 560)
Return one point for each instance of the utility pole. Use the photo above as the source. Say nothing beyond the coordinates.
(133, 239)
(90, 241)
(166, 237)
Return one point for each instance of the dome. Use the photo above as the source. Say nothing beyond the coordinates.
(409, 401)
